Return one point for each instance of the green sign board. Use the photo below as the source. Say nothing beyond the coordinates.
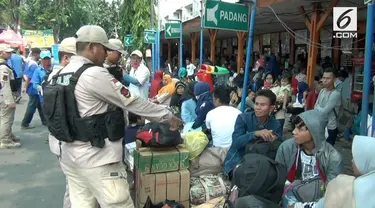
(172, 30)
(226, 16)
(128, 40)
(149, 36)
(367, 1)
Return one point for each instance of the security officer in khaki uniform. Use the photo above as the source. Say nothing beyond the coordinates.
(7, 102)
(67, 49)
(97, 174)
(113, 59)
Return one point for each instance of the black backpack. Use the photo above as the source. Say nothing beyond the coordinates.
(55, 106)
(12, 82)
(158, 135)
(259, 146)
(259, 175)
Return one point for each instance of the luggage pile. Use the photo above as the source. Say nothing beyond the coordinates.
(161, 171)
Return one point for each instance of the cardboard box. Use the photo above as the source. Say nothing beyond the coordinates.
(128, 157)
(161, 186)
(159, 160)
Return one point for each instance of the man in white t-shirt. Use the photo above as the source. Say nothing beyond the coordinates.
(190, 68)
(221, 120)
(139, 76)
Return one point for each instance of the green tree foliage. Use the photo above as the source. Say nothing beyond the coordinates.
(10, 12)
(135, 18)
(106, 15)
(65, 17)
(126, 17)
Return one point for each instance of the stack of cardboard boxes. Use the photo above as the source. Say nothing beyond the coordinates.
(161, 173)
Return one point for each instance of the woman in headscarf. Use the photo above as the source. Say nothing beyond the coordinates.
(156, 83)
(165, 93)
(188, 104)
(347, 191)
(303, 88)
(204, 103)
(271, 83)
(273, 66)
(175, 100)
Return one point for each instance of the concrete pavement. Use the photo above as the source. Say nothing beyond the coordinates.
(30, 176)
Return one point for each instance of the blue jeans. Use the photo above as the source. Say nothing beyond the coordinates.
(33, 104)
(332, 135)
(347, 134)
(282, 122)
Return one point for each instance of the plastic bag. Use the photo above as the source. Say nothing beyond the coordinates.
(195, 142)
(188, 128)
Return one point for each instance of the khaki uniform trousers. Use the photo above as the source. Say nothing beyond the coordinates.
(6, 122)
(106, 184)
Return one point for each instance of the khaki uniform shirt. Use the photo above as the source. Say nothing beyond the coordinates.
(6, 74)
(96, 92)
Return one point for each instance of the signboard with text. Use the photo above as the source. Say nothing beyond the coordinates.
(128, 40)
(149, 36)
(226, 16)
(172, 30)
(39, 38)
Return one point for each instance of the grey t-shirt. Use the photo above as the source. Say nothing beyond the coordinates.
(327, 101)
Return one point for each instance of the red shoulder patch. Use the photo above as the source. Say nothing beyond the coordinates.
(125, 92)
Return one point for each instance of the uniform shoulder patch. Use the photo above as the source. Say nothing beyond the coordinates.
(4, 76)
(125, 92)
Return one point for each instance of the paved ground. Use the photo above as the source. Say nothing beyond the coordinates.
(31, 177)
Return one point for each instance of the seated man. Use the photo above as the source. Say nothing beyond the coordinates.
(307, 156)
(251, 125)
(221, 119)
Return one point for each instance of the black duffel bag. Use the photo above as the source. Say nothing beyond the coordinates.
(158, 135)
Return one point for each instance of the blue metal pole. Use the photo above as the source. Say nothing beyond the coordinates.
(248, 55)
(157, 50)
(367, 71)
(158, 37)
(201, 36)
(153, 58)
(181, 51)
(367, 68)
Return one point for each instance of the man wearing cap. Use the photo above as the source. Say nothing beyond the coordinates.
(113, 59)
(139, 75)
(67, 48)
(30, 67)
(96, 174)
(41, 72)
(7, 102)
(17, 63)
(35, 90)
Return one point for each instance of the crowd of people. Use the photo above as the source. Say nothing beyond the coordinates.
(278, 100)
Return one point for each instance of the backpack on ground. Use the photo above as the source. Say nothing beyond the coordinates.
(259, 146)
(55, 104)
(158, 135)
(258, 175)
